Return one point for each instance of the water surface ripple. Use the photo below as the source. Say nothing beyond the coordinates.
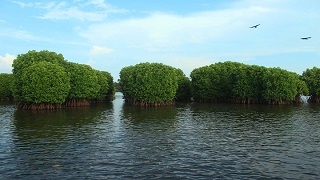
(187, 141)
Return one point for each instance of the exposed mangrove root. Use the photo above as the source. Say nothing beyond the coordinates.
(76, 103)
(39, 106)
(68, 103)
(250, 101)
(108, 98)
(96, 101)
(150, 104)
(314, 99)
(6, 99)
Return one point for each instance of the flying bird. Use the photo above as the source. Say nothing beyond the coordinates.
(255, 26)
(305, 38)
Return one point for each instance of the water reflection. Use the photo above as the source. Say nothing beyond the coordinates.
(188, 140)
(43, 124)
(53, 142)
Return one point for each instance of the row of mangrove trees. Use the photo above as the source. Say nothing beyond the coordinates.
(239, 83)
(45, 80)
(156, 84)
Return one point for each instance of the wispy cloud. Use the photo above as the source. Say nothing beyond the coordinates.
(96, 52)
(99, 50)
(224, 31)
(27, 36)
(162, 30)
(6, 63)
(84, 10)
(18, 34)
(23, 4)
(201, 38)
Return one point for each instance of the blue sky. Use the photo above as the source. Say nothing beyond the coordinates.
(186, 34)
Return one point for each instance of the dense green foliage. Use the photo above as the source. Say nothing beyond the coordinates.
(45, 80)
(282, 87)
(312, 79)
(5, 86)
(111, 86)
(84, 81)
(149, 84)
(184, 87)
(45, 83)
(240, 83)
(26, 60)
(103, 83)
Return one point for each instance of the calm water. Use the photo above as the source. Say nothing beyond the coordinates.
(188, 141)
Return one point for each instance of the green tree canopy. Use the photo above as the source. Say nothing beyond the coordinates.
(149, 84)
(26, 60)
(104, 79)
(45, 82)
(280, 86)
(65, 82)
(184, 86)
(312, 78)
(111, 86)
(83, 81)
(5, 86)
(240, 83)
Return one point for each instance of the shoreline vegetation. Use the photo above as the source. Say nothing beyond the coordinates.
(45, 80)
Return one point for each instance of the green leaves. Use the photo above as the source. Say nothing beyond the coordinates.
(84, 81)
(45, 82)
(279, 85)
(24, 61)
(5, 86)
(45, 77)
(312, 79)
(184, 87)
(240, 83)
(149, 83)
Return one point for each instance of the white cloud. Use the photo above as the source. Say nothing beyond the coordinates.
(187, 63)
(161, 30)
(224, 34)
(96, 52)
(103, 5)
(23, 4)
(72, 13)
(84, 10)
(191, 40)
(19, 34)
(99, 50)
(6, 63)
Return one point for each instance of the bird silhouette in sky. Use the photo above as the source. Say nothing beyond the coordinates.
(305, 38)
(255, 26)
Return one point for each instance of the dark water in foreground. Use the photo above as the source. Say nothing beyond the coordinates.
(188, 141)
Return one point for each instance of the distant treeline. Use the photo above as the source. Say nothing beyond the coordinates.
(45, 80)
